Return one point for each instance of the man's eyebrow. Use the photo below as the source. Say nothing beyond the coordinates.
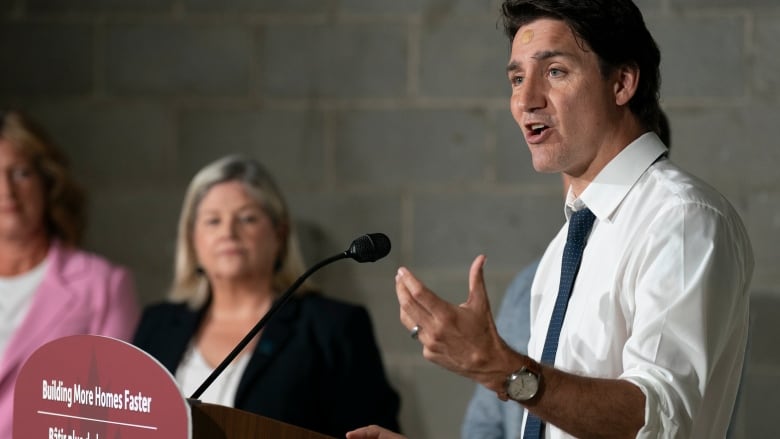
(547, 54)
(512, 66)
(538, 56)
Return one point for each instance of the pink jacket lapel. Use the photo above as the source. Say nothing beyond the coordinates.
(53, 303)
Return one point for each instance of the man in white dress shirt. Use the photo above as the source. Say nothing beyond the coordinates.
(653, 340)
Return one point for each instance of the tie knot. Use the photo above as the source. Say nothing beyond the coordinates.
(580, 224)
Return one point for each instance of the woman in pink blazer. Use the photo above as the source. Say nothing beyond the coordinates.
(48, 287)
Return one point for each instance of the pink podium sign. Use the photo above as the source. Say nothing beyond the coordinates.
(94, 387)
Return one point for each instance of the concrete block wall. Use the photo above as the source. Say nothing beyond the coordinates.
(384, 116)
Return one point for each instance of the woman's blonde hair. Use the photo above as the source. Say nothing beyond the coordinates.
(190, 285)
(64, 215)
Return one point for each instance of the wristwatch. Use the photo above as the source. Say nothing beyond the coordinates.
(522, 384)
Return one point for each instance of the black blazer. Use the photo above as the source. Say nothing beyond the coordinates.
(316, 365)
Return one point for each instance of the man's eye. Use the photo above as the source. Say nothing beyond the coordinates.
(248, 218)
(555, 73)
(516, 80)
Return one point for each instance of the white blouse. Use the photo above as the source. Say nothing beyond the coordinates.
(193, 371)
(16, 296)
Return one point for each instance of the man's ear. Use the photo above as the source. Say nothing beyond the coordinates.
(626, 82)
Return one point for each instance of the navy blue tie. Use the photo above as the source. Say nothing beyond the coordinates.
(580, 224)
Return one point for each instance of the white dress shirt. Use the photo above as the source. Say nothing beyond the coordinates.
(661, 298)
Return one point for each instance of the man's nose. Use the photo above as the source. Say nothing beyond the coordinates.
(530, 95)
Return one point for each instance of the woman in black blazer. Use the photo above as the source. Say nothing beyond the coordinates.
(314, 362)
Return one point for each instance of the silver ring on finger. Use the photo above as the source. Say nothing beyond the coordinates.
(415, 331)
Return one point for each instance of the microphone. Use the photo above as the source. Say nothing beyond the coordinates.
(367, 248)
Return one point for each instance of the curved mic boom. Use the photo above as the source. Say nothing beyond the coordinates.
(366, 248)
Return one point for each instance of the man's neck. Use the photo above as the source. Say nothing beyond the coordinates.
(629, 129)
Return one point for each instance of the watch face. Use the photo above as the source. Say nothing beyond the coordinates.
(522, 385)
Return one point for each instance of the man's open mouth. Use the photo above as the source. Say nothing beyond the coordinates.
(537, 128)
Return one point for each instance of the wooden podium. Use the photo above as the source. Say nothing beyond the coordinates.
(212, 421)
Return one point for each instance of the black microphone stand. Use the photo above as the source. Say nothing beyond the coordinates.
(278, 304)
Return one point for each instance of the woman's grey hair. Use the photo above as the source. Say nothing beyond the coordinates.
(190, 285)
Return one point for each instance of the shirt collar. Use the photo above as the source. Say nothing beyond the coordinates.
(605, 193)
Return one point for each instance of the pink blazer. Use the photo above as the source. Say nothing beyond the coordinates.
(81, 293)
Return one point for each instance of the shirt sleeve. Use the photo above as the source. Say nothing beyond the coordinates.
(484, 417)
(689, 278)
